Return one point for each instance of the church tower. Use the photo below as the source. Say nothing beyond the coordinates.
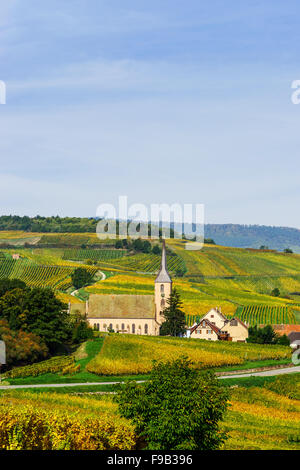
(163, 287)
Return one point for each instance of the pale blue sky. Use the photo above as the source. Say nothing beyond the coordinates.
(163, 101)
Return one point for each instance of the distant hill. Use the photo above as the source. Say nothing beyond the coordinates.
(254, 236)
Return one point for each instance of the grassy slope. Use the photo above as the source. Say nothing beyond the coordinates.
(92, 348)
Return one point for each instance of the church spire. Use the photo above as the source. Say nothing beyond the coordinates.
(163, 275)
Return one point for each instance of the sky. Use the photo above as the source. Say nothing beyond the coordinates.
(163, 101)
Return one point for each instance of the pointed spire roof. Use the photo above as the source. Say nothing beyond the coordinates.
(163, 275)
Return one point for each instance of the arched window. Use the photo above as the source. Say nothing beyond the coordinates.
(162, 302)
(104, 326)
(110, 326)
(133, 328)
(162, 288)
(146, 329)
(98, 327)
(123, 327)
(117, 327)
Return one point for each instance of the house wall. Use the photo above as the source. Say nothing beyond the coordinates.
(214, 317)
(131, 326)
(237, 333)
(204, 333)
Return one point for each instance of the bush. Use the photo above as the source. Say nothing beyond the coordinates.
(21, 347)
(71, 370)
(178, 408)
(52, 422)
(53, 365)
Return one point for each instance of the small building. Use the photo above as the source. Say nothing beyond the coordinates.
(237, 330)
(214, 326)
(207, 330)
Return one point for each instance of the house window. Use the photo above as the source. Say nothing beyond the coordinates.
(123, 327)
(212, 316)
(200, 332)
(162, 303)
(162, 288)
(133, 328)
(146, 329)
(110, 326)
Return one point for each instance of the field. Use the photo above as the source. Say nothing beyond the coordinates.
(239, 281)
(37, 275)
(56, 422)
(126, 354)
(259, 417)
(94, 255)
(265, 418)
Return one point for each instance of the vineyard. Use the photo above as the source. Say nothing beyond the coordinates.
(265, 314)
(56, 277)
(95, 255)
(150, 263)
(134, 354)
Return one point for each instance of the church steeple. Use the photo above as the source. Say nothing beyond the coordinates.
(163, 275)
(162, 287)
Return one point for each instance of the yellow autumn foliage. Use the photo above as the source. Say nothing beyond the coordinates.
(52, 422)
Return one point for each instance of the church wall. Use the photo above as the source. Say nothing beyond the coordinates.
(138, 326)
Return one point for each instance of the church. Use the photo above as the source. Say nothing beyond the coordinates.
(132, 314)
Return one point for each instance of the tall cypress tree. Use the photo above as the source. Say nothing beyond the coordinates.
(174, 324)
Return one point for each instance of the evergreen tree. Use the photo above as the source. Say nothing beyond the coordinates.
(81, 277)
(174, 324)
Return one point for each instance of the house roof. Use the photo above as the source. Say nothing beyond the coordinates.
(207, 323)
(163, 274)
(294, 336)
(236, 319)
(215, 310)
(121, 306)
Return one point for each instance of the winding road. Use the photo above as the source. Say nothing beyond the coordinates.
(265, 373)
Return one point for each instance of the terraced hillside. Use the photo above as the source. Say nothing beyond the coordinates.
(35, 275)
(239, 281)
(230, 278)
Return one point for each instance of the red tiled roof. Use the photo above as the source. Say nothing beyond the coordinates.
(209, 324)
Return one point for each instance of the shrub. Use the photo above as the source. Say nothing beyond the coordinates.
(53, 365)
(21, 347)
(178, 408)
(51, 422)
